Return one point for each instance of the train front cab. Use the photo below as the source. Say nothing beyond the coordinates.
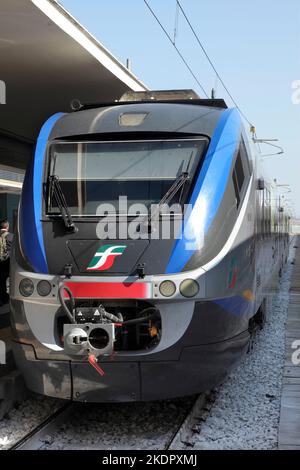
(200, 298)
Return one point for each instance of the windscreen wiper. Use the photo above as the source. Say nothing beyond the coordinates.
(57, 192)
(172, 191)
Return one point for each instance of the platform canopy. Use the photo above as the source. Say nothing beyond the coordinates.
(47, 59)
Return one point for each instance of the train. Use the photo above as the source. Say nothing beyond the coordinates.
(148, 243)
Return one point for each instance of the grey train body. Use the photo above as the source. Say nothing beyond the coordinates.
(197, 338)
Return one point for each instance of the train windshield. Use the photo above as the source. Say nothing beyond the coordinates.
(94, 173)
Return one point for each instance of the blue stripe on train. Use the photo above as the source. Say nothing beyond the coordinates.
(236, 305)
(209, 188)
(31, 230)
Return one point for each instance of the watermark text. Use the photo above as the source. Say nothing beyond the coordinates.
(296, 353)
(296, 92)
(159, 221)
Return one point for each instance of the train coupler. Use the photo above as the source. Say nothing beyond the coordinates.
(89, 338)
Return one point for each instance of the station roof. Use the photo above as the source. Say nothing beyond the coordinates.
(47, 59)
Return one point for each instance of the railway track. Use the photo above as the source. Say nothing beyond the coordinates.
(48, 432)
(182, 433)
(35, 439)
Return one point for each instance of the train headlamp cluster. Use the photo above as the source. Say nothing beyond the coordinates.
(43, 288)
(26, 287)
(167, 288)
(188, 288)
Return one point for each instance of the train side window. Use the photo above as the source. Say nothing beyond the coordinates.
(238, 177)
(245, 158)
(241, 172)
(236, 188)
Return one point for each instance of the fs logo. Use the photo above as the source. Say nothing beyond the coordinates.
(104, 258)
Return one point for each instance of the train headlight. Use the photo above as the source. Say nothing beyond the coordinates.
(26, 287)
(167, 288)
(189, 288)
(43, 288)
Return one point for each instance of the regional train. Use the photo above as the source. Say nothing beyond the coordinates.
(148, 242)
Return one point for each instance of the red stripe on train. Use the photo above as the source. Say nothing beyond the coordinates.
(109, 290)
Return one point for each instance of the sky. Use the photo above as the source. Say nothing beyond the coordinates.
(255, 46)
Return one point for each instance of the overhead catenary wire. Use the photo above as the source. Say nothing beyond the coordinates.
(176, 48)
(218, 76)
(176, 23)
(211, 63)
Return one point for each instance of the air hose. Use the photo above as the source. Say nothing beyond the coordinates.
(110, 316)
(70, 313)
(135, 321)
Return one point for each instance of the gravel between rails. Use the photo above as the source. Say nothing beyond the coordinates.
(116, 426)
(26, 417)
(127, 426)
(246, 411)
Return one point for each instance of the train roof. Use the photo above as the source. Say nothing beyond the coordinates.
(185, 96)
(210, 103)
(183, 116)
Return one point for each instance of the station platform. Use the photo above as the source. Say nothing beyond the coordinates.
(5, 336)
(12, 387)
(289, 427)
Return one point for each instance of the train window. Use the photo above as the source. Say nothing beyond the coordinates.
(244, 157)
(236, 189)
(238, 177)
(239, 171)
(91, 173)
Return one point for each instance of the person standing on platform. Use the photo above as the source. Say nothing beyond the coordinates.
(6, 239)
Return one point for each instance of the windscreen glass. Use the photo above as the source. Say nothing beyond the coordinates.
(93, 173)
